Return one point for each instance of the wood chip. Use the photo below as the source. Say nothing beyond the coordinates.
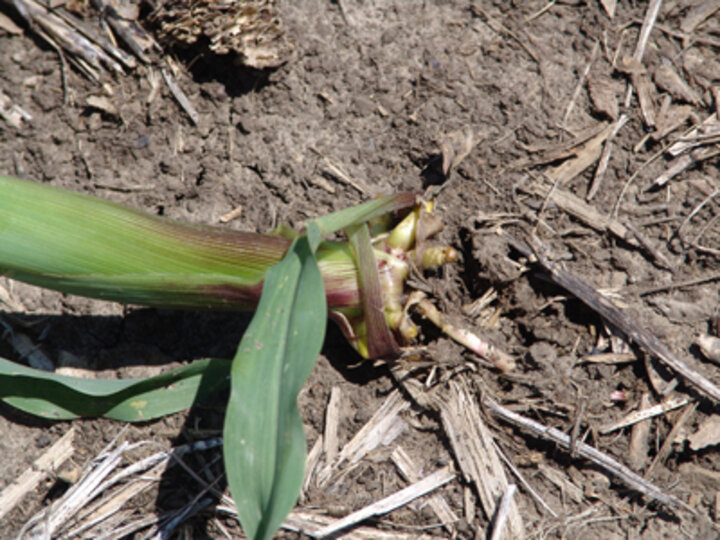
(669, 80)
(42, 467)
(707, 433)
(603, 93)
(390, 503)
(697, 14)
(709, 346)
(9, 26)
(232, 214)
(669, 119)
(455, 147)
(609, 7)
(102, 103)
(473, 447)
(585, 155)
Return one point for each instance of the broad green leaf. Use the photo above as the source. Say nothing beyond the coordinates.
(79, 244)
(60, 397)
(321, 227)
(264, 443)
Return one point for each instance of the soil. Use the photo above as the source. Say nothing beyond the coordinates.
(373, 88)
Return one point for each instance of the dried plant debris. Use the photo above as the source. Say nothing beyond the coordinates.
(702, 67)
(643, 86)
(252, 29)
(604, 92)
(669, 80)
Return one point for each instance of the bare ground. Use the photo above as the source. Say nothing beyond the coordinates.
(372, 89)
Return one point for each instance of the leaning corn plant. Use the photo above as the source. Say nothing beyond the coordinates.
(82, 245)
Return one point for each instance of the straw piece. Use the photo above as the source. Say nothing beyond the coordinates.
(86, 55)
(709, 347)
(709, 125)
(534, 494)
(683, 163)
(617, 469)
(390, 503)
(112, 505)
(134, 36)
(382, 428)
(582, 211)
(670, 439)
(474, 450)
(638, 452)
(622, 321)
(310, 522)
(411, 472)
(503, 512)
(338, 174)
(180, 96)
(333, 415)
(599, 175)
(561, 481)
(49, 521)
(49, 462)
(647, 26)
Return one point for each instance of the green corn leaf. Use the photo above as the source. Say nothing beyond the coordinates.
(321, 227)
(60, 397)
(83, 245)
(264, 443)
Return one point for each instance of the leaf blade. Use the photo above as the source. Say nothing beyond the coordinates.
(61, 397)
(323, 226)
(264, 443)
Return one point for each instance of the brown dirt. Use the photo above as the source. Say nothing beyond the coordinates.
(374, 90)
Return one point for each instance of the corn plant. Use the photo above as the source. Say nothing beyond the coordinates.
(82, 245)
